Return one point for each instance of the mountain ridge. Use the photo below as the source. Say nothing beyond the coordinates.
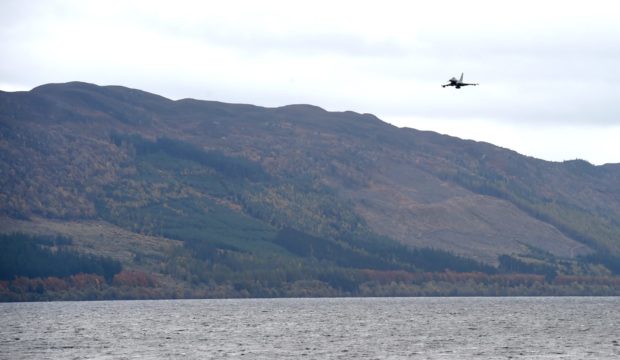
(146, 164)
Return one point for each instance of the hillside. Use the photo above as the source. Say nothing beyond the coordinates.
(192, 185)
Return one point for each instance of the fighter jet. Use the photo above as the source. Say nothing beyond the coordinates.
(457, 83)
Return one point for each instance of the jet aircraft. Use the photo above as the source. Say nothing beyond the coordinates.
(457, 83)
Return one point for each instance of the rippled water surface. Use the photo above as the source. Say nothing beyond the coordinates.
(375, 328)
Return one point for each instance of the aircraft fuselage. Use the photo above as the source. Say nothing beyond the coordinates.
(457, 83)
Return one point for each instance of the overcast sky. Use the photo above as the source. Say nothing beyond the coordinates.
(549, 71)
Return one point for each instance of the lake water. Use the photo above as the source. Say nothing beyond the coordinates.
(371, 328)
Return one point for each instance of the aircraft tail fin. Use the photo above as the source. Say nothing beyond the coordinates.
(461, 80)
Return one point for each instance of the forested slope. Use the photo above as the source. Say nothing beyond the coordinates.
(266, 199)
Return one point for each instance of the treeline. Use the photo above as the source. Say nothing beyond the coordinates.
(136, 285)
(511, 265)
(232, 167)
(610, 261)
(371, 252)
(124, 285)
(300, 257)
(479, 284)
(45, 256)
(339, 253)
(424, 259)
(311, 269)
